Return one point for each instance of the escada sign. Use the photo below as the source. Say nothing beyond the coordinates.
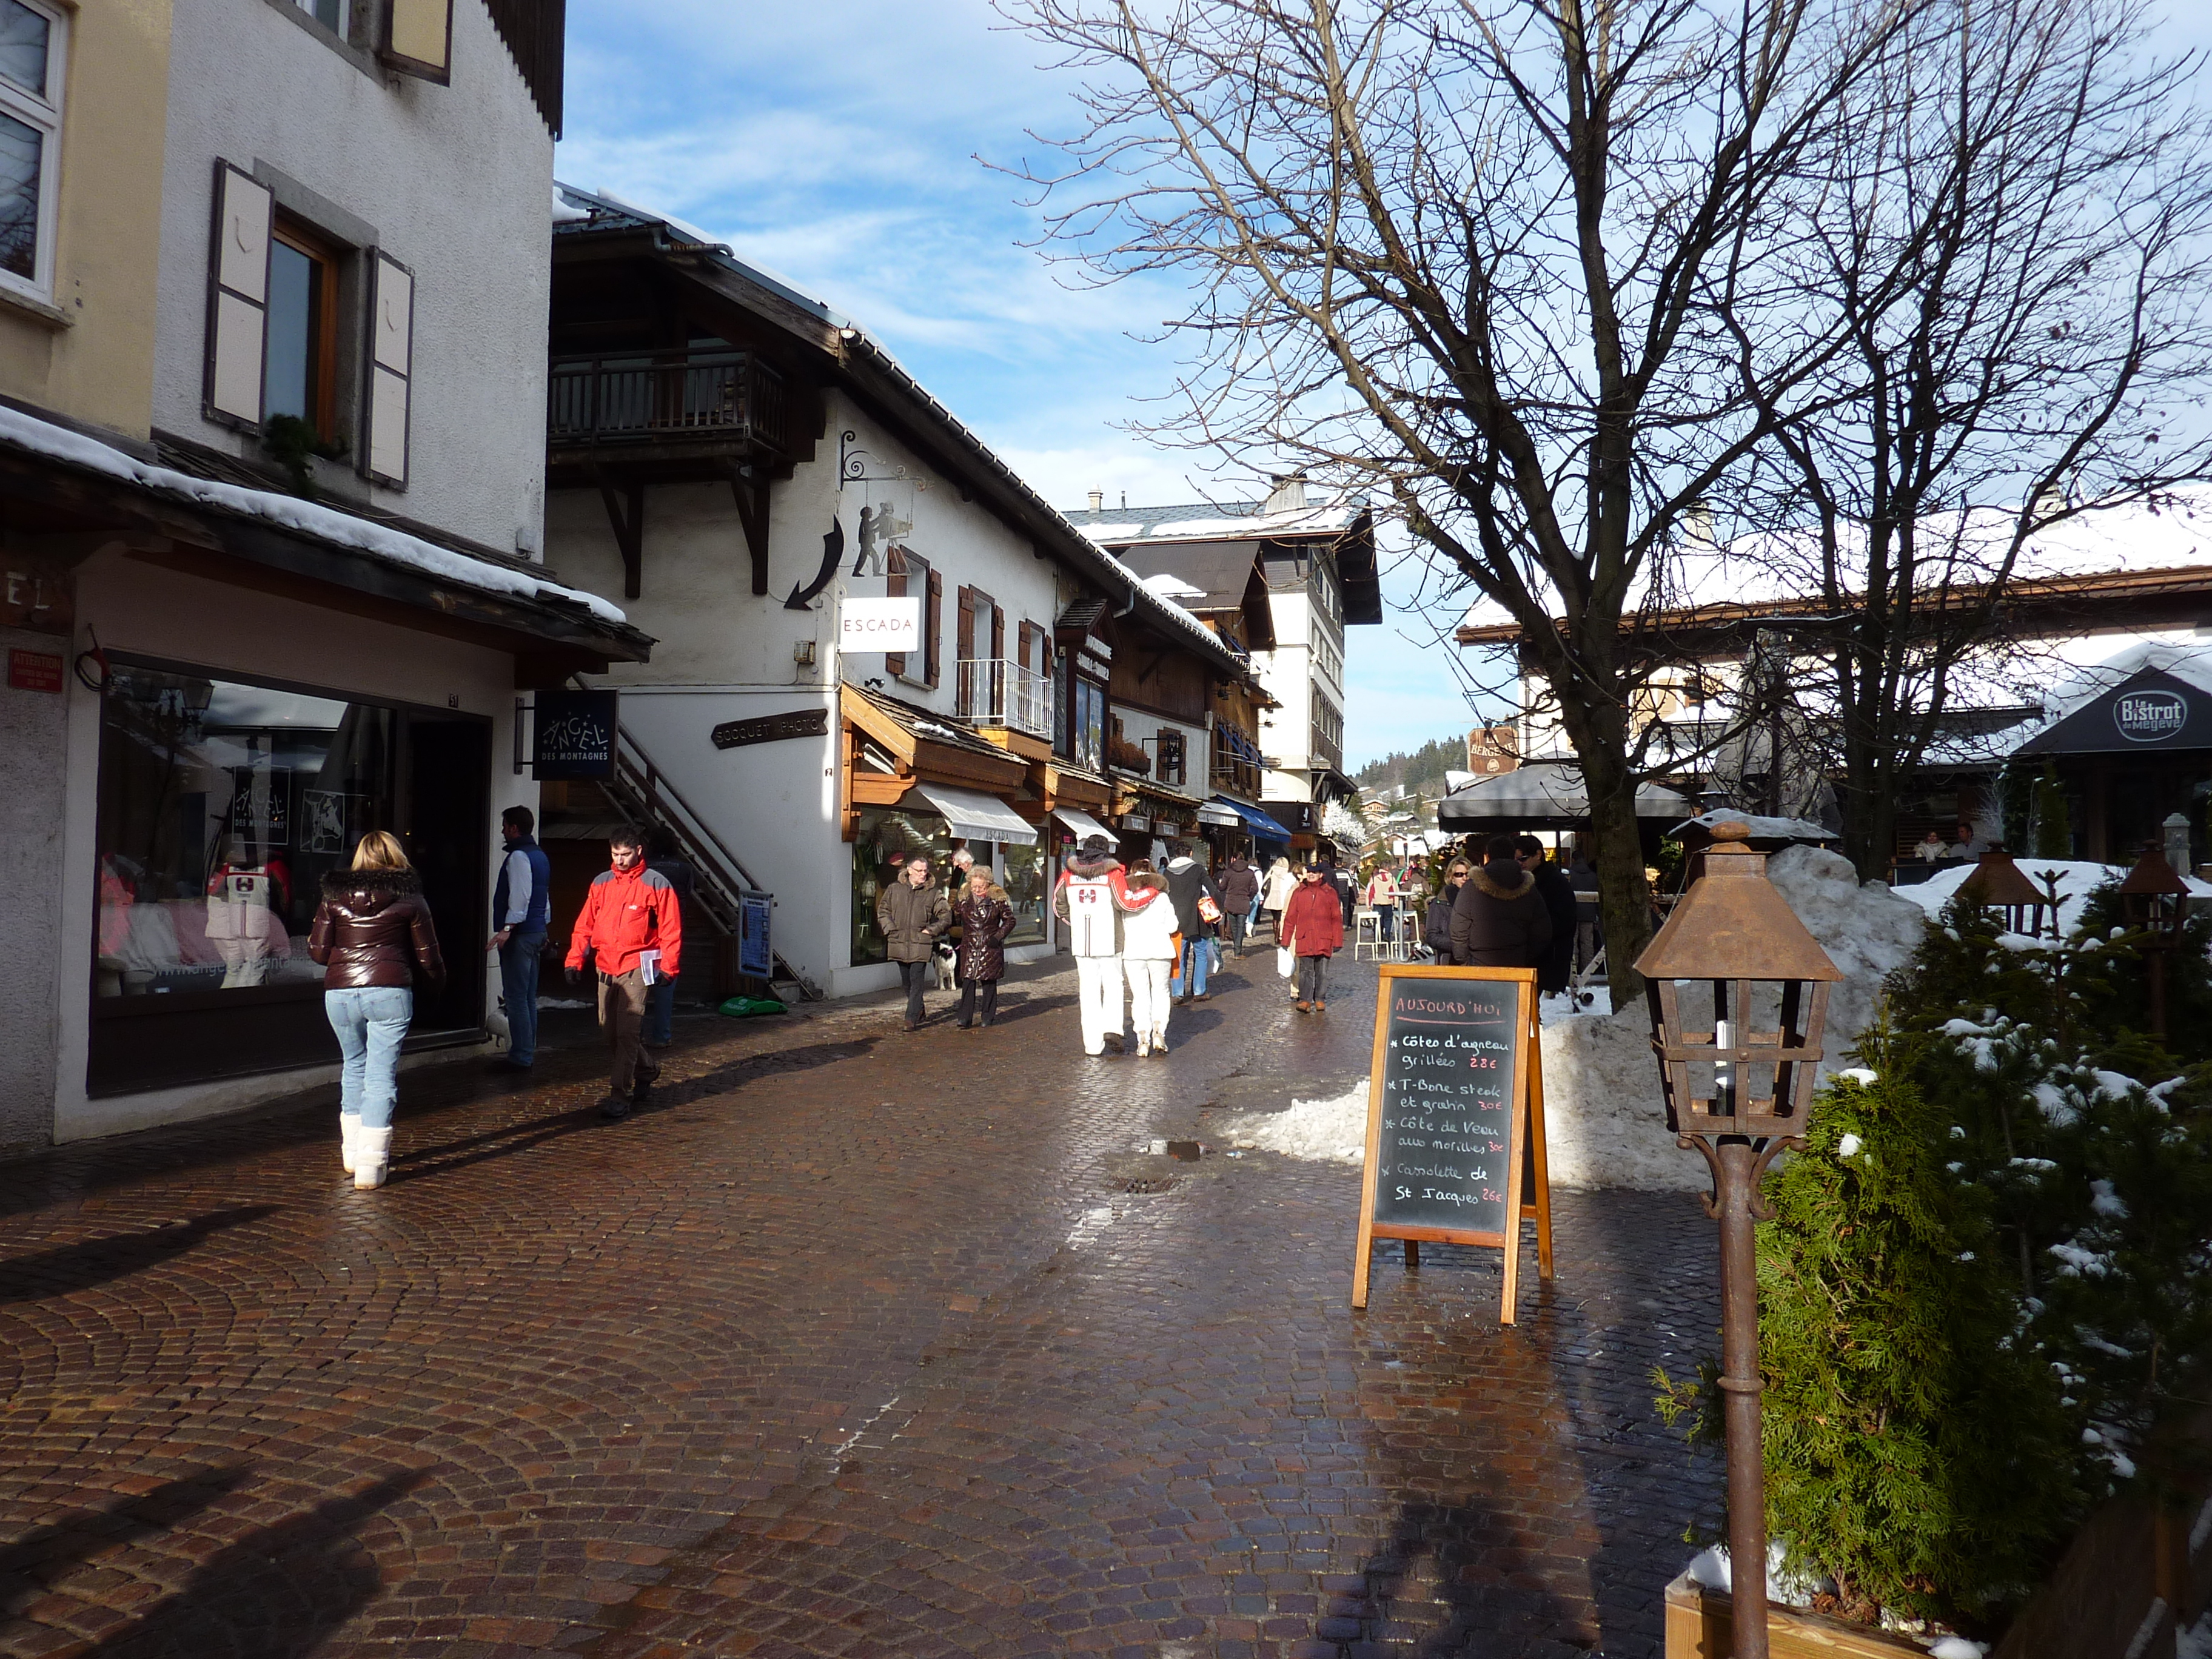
(2150, 716)
(873, 624)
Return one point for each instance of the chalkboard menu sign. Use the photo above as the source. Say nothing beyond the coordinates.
(1455, 1118)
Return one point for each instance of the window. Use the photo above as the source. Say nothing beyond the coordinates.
(1169, 747)
(333, 15)
(905, 573)
(1086, 739)
(299, 361)
(31, 81)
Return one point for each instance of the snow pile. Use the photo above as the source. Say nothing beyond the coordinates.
(2077, 879)
(291, 513)
(1604, 1119)
(1332, 1130)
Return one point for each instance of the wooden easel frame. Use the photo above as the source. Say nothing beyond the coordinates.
(1525, 1156)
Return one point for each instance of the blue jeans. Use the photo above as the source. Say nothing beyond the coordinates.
(661, 1012)
(371, 1022)
(518, 987)
(1192, 964)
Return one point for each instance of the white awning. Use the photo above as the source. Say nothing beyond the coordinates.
(1210, 813)
(1083, 824)
(977, 816)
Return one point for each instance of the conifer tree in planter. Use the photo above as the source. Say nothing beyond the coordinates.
(1916, 1450)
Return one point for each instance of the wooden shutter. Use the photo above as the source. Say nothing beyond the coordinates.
(965, 632)
(389, 380)
(997, 635)
(1032, 643)
(933, 624)
(895, 564)
(238, 298)
(418, 39)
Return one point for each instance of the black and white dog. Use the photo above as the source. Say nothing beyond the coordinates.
(943, 957)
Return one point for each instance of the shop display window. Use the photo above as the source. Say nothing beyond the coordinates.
(221, 806)
(887, 839)
(1028, 891)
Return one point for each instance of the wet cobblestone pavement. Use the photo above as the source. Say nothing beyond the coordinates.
(858, 1343)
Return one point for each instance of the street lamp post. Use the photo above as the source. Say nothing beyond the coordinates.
(1998, 884)
(2155, 900)
(1758, 996)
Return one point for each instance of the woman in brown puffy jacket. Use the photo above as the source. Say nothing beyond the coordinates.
(371, 933)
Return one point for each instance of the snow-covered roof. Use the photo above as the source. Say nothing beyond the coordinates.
(1760, 826)
(2133, 538)
(2077, 879)
(1214, 521)
(33, 437)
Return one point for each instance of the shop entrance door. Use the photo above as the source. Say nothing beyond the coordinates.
(448, 826)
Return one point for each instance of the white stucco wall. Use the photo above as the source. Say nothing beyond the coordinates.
(456, 182)
(33, 729)
(144, 609)
(724, 653)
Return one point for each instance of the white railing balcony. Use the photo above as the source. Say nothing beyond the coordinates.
(996, 691)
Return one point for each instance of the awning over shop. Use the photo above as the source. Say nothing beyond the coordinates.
(1547, 794)
(978, 817)
(1082, 822)
(1252, 819)
(1215, 813)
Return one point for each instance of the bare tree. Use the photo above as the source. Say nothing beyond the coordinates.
(2011, 237)
(1474, 256)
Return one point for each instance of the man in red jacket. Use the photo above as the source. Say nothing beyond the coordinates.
(632, 929)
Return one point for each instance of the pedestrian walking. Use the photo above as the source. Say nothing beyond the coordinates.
(1282, 882)
(1500, 919)
(1240, 893)
(373, 937)
(520, 911)
(1150, 945)
(1383, 899)
(1193, 893)
(985, 918)
(1340, 881)
(1557, 890)
(913, 915)
(629, 933)
(1312, 932)
(664, 854)
(1435, 931)
(1086, 900)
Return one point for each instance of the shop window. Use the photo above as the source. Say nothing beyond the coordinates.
(32, 77)
(1087, 725)
(886, 839)
(222, 804)
(1028, 890)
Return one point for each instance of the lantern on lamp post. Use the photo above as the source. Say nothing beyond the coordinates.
(1998, 884)
(1739, 995)
(2155, 900)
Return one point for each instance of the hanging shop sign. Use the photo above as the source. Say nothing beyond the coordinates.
(873, 624)
(772, 728)
(1455, 1120)
(574, 734)
(2148, 710)
(1136, 821)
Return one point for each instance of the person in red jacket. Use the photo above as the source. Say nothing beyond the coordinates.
(631, 929)
(1312, 930)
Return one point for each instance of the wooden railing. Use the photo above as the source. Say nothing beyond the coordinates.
(641, 397)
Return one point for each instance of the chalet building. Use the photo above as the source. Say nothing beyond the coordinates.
(1316, 564)
(271, 464)
(2102, 678)
(737, 467)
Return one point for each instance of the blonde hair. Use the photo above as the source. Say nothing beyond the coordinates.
(380, 849)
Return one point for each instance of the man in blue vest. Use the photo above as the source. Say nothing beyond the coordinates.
(520, 907)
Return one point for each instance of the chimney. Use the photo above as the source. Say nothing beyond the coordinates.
(1698, 526)
(1098, 501)
(1287, 493)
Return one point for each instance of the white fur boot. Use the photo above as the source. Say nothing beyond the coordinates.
(371, 1153)
(348, 1138)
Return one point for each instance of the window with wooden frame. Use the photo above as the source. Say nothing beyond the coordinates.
(908, 573)
(299, 359)
(1168, 748)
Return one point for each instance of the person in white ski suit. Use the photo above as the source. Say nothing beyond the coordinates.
(1089, 900)
(1150, 944)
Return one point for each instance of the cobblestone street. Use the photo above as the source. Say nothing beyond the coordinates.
(857, 1343)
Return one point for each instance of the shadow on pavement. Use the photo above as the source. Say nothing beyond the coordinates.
(276, 1593)
(41, 1555)
(1447, 1585)
(93, 1262)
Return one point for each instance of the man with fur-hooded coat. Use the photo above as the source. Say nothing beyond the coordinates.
(1088, 900)
(1499, 918)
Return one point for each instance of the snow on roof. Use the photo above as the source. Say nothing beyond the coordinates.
(1173, 587)
(1760, 827)
(1218, 522)
(2174, 534)
(325, 524)
(2077, 879)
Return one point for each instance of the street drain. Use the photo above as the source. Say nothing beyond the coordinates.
(1151, 1185)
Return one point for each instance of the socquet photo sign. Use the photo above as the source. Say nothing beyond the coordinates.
(873, 624)
(574, 734)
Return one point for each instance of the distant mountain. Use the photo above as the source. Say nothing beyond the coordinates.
(1422, 772)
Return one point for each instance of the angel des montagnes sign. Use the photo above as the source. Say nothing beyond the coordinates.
(1455, 1119)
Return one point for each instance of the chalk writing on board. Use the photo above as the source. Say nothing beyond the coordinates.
(1445, 1151)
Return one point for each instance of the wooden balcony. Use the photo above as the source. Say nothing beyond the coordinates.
(668, 414)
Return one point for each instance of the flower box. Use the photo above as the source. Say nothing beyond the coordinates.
(1698, 1628)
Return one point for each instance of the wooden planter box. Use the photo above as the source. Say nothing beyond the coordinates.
(1698, 1627)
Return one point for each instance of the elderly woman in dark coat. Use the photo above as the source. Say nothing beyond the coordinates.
(985, 918)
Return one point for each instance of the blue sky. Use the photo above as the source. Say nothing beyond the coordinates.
(837, 143)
